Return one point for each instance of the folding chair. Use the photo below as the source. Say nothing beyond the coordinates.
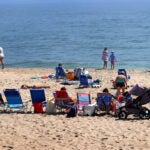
(104, 101)
(125, 73)
(60, 73)
(38, 99)
(62, 101)
(84, 81)
(83, 99)
(14, 100)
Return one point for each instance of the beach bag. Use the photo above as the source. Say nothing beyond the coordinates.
(50, 108)
(72, 111)
(38, 107)
(88, 110)
(70, 75)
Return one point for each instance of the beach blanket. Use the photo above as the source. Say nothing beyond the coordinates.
(67, 82)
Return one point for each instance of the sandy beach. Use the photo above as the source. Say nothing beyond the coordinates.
(54, 132)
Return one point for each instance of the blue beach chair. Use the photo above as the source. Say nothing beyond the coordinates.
(60, 73)
(38, 99)
(104, 101)
(125, 73)
(84, 81)
(14, 100)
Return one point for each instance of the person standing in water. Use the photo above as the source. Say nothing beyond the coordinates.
(105, 58)
(2, 57)
(112, 59)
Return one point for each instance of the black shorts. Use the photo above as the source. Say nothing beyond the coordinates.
(120, 84)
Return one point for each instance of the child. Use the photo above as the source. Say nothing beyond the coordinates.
(112, 59)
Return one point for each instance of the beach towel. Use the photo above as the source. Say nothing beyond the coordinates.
(44, 77)
(35, 77)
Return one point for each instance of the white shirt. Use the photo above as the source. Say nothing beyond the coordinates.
(1, 52)
(84, 72)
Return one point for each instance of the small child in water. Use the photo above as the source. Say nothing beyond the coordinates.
(112, 59)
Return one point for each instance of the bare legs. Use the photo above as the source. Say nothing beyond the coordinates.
(119, 90)
(112, 66)
(2, 62)
(105, 65)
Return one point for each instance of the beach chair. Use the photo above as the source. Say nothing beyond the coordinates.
(84, 81)
(38, 99)
(60, 73)
(77, 73)
(62, 101)
(83, 99)
(125, 73)
(104, 101)
(14, 101)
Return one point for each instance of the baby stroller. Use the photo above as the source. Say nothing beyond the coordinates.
(136, 107)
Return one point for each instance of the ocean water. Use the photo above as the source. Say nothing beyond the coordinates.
(43, 33)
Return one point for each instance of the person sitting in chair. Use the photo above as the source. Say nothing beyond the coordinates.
(68, 97)
(60, 71)
(113, 100)
(86, 73)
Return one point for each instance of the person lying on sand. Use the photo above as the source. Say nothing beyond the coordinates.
(68, 97)
(25, 86)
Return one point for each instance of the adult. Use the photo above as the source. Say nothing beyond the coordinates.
(113, 100)
(86, 73)
(2, 57)
(64, 95)
(60, 71)
(77, 73)
(120, 83)
(105, 58)
(25, 86)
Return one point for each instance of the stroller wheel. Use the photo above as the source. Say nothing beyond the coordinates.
(147, 114)
(142, 115)
(122, 115)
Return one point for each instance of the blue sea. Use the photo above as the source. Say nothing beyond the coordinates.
(43, 33)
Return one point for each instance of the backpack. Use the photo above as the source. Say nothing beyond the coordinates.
(72, 111)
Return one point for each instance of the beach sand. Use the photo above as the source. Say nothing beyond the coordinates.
(54, 132)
